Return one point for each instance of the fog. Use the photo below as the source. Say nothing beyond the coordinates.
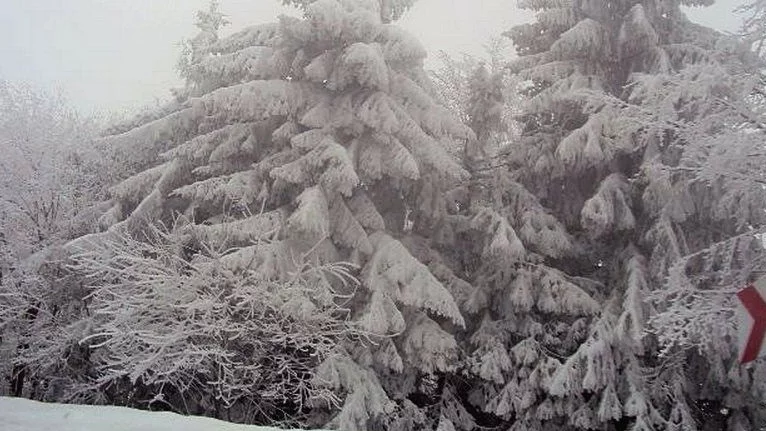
(120, 54)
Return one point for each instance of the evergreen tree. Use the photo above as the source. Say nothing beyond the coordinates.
(209, 22)
(454, 80)
(526, 313)
(719, 223)
(322, 128)
(590, 219)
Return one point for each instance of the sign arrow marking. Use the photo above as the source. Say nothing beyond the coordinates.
(756, 307)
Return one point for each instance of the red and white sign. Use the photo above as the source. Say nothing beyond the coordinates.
(752, 321)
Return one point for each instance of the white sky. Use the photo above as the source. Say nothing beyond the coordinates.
(120, 54)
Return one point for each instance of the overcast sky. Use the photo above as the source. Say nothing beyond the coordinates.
(120, 54)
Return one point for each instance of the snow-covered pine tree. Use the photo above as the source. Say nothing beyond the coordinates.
(563, 344)
(194, 50)
(448, 249)
(322, 126)
(453, 76)
(526, 313)
(714, 197)
(453, 79)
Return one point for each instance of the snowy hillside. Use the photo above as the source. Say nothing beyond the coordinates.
(17, 414)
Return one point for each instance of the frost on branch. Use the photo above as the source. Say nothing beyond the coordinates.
(610, 209)
(632, 322)
(636, 34)
(536, 226)
(587, 38)
(365, 397)
(393, 271)
(134, 188)
(503, 243)
(428, 347)
(558, 295)
(363, 64)
(311, 219)
(586, 147)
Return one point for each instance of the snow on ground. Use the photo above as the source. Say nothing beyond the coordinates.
(17, 414)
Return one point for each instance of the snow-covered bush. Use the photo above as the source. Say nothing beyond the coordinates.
(211, 330)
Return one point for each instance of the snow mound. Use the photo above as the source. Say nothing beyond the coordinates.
(18, 414)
